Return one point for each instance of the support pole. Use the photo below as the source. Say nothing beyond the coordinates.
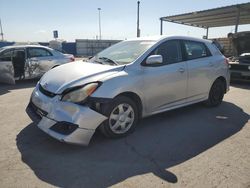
(100, 31)
(207, 32)
(138, 18)
(237, 20)
(1, 30)
(161, 26)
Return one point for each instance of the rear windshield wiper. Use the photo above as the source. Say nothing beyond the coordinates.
(108, 60)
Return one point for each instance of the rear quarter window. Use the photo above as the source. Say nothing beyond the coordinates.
(38, 52)
(215, 50)
(195, 50)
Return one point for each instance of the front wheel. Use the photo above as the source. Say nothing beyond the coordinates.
(122, 116)
(216, 94)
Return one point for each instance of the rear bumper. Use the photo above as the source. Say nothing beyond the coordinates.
(239, 75)
(49, 112)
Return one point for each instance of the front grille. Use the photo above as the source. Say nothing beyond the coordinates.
(46, 92)
(37, 110)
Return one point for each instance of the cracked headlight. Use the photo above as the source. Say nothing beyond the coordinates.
(77, 94)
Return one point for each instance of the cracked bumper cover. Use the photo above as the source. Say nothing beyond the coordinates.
(53, 111)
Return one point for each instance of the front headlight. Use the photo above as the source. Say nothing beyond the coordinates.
(80, 94)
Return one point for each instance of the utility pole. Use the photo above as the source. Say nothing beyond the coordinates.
(1, 30)
(100, 31)
(138, 18)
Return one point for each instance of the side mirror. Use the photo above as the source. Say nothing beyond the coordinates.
(154, 59)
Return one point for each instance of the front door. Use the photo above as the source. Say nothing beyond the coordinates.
(165, 85)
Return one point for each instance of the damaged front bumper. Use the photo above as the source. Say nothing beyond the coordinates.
(64, 121)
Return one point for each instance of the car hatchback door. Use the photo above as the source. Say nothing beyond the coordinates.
(165, 85)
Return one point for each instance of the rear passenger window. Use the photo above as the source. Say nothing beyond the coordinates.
(170, 52)
(38, 52)
(196, 50)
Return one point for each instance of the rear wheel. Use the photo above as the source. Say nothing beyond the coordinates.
(216, 94)
(122, 116)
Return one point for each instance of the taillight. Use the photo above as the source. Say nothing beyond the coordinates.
(72, 59)
(226, 61)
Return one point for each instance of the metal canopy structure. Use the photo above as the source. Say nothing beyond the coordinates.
(238, 14)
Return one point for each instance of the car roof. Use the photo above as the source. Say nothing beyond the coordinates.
(25, 46)
(165, 37)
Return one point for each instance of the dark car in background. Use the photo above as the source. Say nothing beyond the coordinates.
(240, 61)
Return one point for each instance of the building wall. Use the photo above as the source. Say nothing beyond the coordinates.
(82, 47)
(2, 44)
(86, 47)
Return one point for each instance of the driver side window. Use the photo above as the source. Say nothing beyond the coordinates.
(170, 52)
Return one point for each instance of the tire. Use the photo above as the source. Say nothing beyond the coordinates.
(216, 94)
(122, 116)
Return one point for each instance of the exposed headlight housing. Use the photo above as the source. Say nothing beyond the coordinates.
(79, 94)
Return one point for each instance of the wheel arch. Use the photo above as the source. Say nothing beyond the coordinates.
(135, 98)
(223, 79)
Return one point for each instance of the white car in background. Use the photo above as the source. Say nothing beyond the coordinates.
(29, 61)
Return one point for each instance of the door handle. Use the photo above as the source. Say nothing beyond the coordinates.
(211, 64)
(181, 70)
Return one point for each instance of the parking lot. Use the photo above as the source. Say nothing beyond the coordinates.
(193, 146)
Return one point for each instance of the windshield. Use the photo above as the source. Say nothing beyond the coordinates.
(123, 52)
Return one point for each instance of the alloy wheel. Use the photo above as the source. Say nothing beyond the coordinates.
(121, 118)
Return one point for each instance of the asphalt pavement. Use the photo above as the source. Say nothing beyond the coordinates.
(194, 146)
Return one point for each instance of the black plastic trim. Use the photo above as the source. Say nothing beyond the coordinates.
(64, 127)
(99, 99)
(46, 92)
(32, 112)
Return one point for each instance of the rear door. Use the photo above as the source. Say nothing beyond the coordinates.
(6, 67)
(200, 69)
(40, 60)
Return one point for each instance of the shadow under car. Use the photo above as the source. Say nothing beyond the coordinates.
(159, 142)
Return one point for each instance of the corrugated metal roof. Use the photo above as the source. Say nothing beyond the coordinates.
(217, 17)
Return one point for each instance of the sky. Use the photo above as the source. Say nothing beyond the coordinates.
(35, 20)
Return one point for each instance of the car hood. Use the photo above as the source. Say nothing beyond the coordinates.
(242, 43)
(74, 74)
(244, 58)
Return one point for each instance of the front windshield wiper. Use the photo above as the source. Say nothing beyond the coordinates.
(108, 60)
(98, 62)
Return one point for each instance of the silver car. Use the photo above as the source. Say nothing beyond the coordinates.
(125, 82)
(28, 61)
